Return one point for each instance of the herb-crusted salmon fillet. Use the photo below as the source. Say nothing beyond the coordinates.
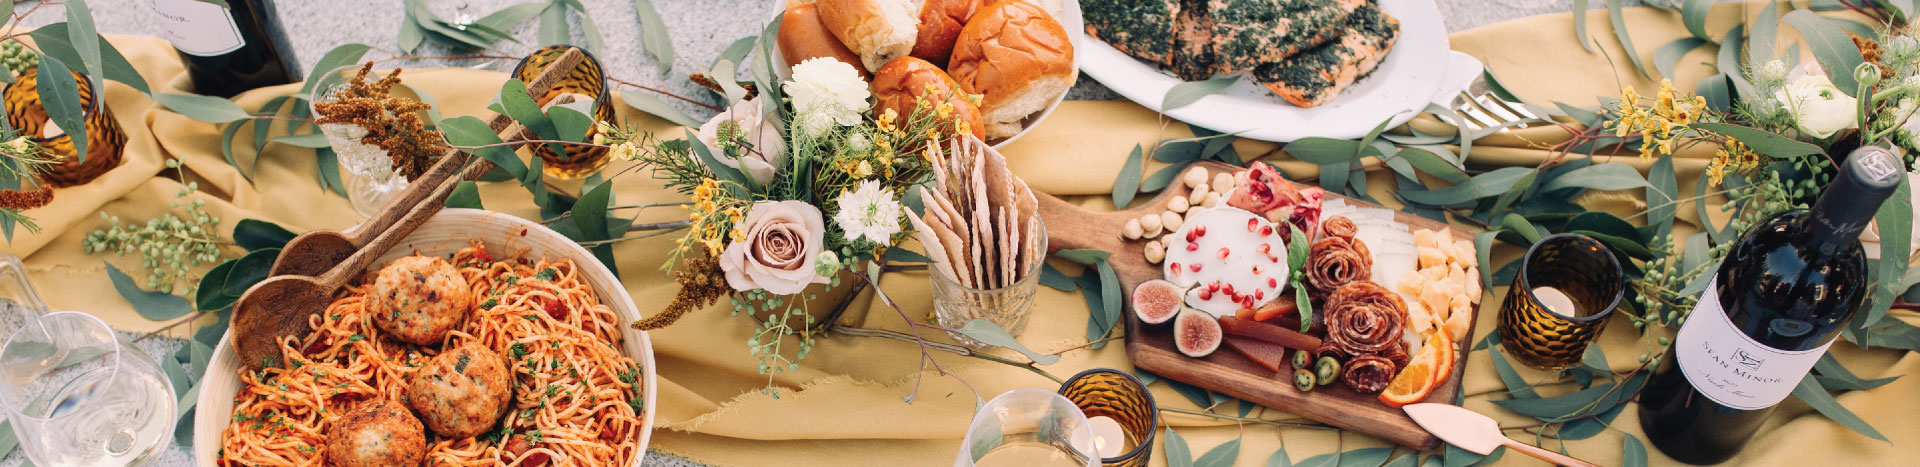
(1140, 28)
(1317, 75)
(1193, 41)
(1249, 33)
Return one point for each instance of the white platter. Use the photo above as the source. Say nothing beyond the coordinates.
(446, 232)
(1067, 12)
(1410, 77)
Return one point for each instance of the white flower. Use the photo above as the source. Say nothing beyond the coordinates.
(870, 212)
(1773, 73)
(1819, 108)
(769, 149)
(1911, 124)
(826, 92)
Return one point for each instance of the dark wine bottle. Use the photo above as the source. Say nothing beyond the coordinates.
(227, 50)
(1779, 299)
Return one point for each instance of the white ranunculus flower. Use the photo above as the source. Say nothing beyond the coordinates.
(1911, 123)
(1819, 108)
(869, 211)
(826, 92)
(769, 149)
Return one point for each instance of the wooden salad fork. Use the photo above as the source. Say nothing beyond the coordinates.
(314, 252)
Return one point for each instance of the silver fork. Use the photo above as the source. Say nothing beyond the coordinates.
(1481, 109)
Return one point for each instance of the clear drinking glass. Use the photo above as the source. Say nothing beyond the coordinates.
(955, 304)
(76, 393)
(367, 168)
(1028, 428)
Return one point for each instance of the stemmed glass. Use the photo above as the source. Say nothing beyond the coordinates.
(368, 169)
(76, 393)
(1028, 428)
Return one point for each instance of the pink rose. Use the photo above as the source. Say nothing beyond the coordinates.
(781, 241)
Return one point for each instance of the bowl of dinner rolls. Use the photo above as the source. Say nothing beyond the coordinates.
(1011, 61)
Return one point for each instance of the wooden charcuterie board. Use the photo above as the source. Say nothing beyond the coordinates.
(1072, 227)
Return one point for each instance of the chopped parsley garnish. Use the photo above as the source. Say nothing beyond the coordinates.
(461, 367)
(534, 437)
(490, 303)
(519, 350)
(355, 338)
(546, 274)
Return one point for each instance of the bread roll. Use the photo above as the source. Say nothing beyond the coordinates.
(940, 24)
(802, 36)
(899, 84)
(1016, 56)
(878, 30)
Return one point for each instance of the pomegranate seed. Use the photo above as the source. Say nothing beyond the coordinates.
(1228, 288)
(1222, 254)
(1195, 267)
(1206, 294)
(1193, 234)
(1213, 286)
(1173, 268)
(1202, 229)
(1257, 269)
(1266, 230)
(1193, 247)
(1275, 259)
(1252, 223)
(1259, 295)
(1271, 282)
(1266, 248)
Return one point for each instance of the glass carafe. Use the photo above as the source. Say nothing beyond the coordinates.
(75, 392)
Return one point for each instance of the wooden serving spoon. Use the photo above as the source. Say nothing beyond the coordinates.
(314, 252)
(280, 306)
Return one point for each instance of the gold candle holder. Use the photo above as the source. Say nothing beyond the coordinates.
(1567, 287)
(587, 79)
(1102, 392)
(105, 140)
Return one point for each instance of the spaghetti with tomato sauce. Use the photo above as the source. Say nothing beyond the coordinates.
(577, 399)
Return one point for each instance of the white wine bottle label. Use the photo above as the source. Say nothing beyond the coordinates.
(197, 27)
(1728, 366)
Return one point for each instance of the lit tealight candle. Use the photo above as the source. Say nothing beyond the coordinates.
(1556, 301)
(1108, 439)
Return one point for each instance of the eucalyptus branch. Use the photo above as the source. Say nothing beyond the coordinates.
(960, 350)
(594, 243)
(668, 94)
(190, 318)
(925, 356)
(675, 225)
(1198, 413)
(566, 215)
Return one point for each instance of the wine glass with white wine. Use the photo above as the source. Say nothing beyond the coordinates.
(79, 395)
(1028, 428)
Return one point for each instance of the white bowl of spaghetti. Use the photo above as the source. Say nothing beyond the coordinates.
(532, 286)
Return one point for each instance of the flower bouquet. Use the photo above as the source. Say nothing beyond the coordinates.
(789, 189)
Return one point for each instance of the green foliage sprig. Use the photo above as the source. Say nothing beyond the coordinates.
(170, 246)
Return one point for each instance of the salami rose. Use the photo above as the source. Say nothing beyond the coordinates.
(1333, 262)
(1364, 318)
(1368, 375)
(1339, 227)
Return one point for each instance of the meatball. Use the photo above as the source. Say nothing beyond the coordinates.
(417, 299)
(376, 433)
(461, 392)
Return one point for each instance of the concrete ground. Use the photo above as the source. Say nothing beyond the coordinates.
(700, 29)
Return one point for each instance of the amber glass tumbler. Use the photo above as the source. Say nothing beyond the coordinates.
(589, 81)
(1558, 271)
(1102, 392)
(105, 140)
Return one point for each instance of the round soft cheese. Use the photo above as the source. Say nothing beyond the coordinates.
(1228, 259)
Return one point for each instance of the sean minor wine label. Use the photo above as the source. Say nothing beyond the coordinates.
(1731, 368)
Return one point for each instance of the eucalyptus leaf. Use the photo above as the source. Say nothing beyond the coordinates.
(1177, 451)
(1599, 177)
(1588, 427)
(470, 131)
(1831, 46)
(1109, 297)
(465, 195)
(654, 37)
(53, 40)
(1331, 459)
(308, 140)
(1894, 334)
(1668, 56)
(591, 30)
(211, 294)
(1580, 26)
(1762, 31)
(85, 39)
(1729, 60)
(1516, 386)
(1051, 277)
(208, 109)
(1694, 14)
(1162, 178)
(1128, 183)
(1518, 224)
(1484, 185)
(1895, 218)
(506, 18)
(1633, 453)
(1620, 31)
(553, 25)
(249, 270)
(1279, 457)
(1815, 395)
(1087, 257)
(60, 97)
(411, 35)
(1367, 457)
(1223, 455)
(1663, 194)
(1433, 164)
(737, 51)
(344, 55)
(1836, 376)
(156, 306)
(1714, 89)
(1762, 141)
(992, 334)
(1188, 92)
(255, 234)
(1409, 460)
(1323, 151)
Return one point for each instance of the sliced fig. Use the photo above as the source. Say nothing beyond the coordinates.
(1196, 333)
(1157, 301)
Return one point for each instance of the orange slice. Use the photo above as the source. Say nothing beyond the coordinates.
(1443, 367)
(1420, 376)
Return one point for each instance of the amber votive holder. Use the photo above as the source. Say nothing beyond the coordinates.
(1102, 392)
(105, 140)
(1560, 271)
(588, 80)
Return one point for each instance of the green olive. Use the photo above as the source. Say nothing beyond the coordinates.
(1303, 380)
(1301, 359)
(1328, 369)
